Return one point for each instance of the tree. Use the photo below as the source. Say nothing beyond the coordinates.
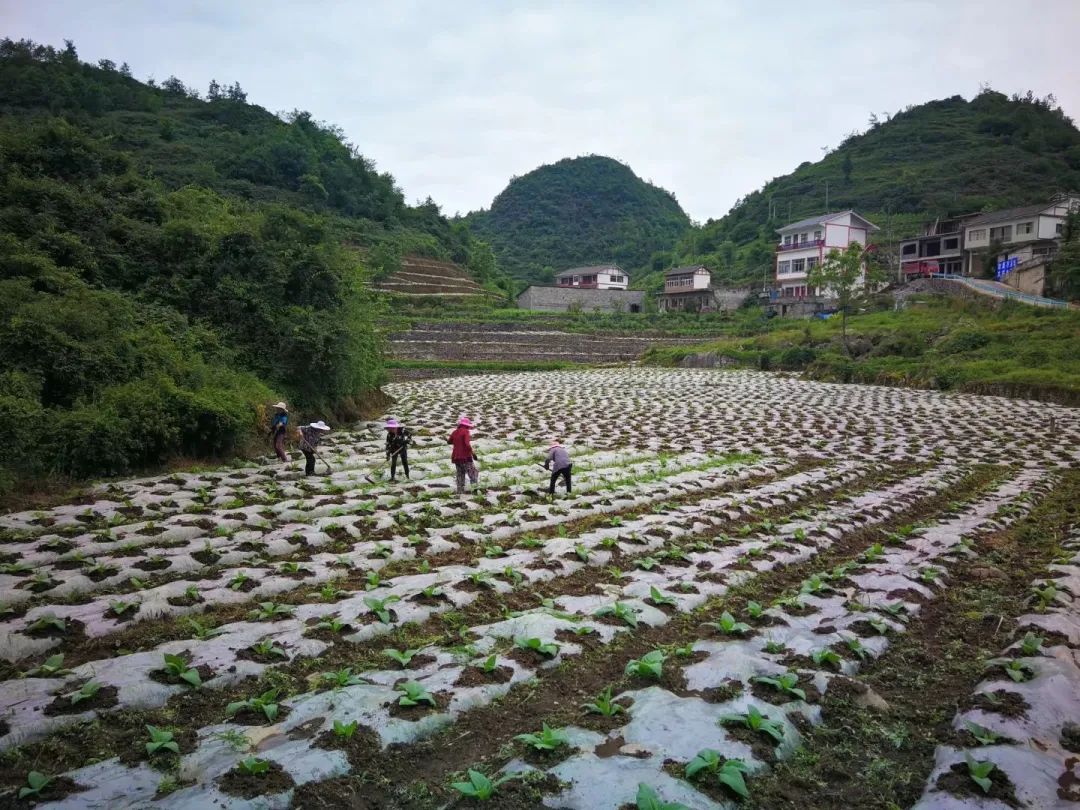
(235, 93)
(845, 167)
(1065, 267)
(846, 276)
(125, 70)
(213, 92)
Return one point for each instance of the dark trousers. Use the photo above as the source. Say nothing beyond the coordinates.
(279, 445)
(564, 473)
(403, 456)
(309, 468)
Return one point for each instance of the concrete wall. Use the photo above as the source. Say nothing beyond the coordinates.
(563, 299)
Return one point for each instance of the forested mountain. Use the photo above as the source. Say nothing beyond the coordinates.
(944, 157)
(168, 261)
(578, 211)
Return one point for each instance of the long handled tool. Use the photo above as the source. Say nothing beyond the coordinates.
(318, 455)
(382, 468)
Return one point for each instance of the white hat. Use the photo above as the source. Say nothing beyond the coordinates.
(320, 425)
(282, 406)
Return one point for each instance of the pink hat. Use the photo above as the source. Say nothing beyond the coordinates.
(464, 421)
(392, 423)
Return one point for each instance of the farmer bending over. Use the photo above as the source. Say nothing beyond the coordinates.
(398, 439)
(310, 435)
(462, 455)
(278, 425)
(558, 461)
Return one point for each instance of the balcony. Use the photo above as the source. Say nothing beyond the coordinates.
(809, 243)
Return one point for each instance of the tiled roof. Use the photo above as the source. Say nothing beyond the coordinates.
(686, 268)
(818, 220)
(592, 268)
(1006, 214)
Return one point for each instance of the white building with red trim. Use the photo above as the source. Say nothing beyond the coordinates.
(805, 244)
(594, 277)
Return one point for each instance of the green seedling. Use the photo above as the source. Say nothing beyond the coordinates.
(815, 584)
(373, 580)
(403, 657)
(728, 626)
(53, 667)
(649, 799)
(754, 610)
(775, 647)
(160, 740)
(379, 606)
(728, 772)
(980, 771)
(192, 592)
(620, 610)
(874, 553)
(432, 591)
(647, 563)
(659, 598)
(342, 678)
(1031, 645)
(270, 610)
(582, 552)
(201, 631)
(345, 730)
(604, 705)
(1019, 671)
(489, 664)
(481, 579)
(982, 735)
(1044, 596)
(757, 722)
(35, 783)
(266, 703)
(650, 665)
(786, 683)
(492, 551)
(880, 625)
(685, 651)
(513, 575)
(268, 647)
(548, 649)
(237, 582)
(548, 739)
(253, 766)
(856, 647)
(177, 668)
(826, 658)
(48, 622)
(480, 786)
(86, 692)
(334, 625)
(413, 694)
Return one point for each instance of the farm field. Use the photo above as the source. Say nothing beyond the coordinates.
(762, 592)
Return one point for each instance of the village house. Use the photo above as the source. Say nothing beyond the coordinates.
(594, 277)
(690, 289)
(939, 250)
(804, 244)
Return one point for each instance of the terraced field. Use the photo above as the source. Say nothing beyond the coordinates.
(761, 592)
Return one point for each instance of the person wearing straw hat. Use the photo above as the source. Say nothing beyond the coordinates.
(310, 436)
(278, 425)
(463, 456)
(398, 439)
(558, 461)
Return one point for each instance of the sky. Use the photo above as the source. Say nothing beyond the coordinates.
(710, 100)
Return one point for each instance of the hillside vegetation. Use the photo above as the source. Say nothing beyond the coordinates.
(1008, 349)
(578, 211)
(168, 262)
(944, 157)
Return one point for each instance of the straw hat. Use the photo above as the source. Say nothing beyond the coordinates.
(392, 423)
(465, 421)
(281, 406)
(320, 425)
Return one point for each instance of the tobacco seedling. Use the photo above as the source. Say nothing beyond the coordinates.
(265, 703)
(1019, 671)
(548, 739)
(489, 664)
(754, 610)
(201, 631)
(334, 625)
(728, 625)
(35, 783)
(621, 611)
(757, 722)
(982, 735)
(874, 553)
(659, 598)
(48, 622)
(647, 563)
(373, 581)
(52, 667)
(268, 647)
(342, 678)
(346, 730)
(650, 665)
(480, 786)
(729, 772)
(1031, 645)
(581, 552)
(815, 584)
(403, 657)
(880, 625)
(432, 591)
(649, 799)
(270, 611)
(160, 740)
(545, 648)
(604, 705)
(413, 694)
(856, 646)
(177, 668)
(237, 582)
(513, 575)
(86, 692)
(252, 766)
(775, 647)
(980, 771)
(826, 658)
(379, 606)
(786, 683)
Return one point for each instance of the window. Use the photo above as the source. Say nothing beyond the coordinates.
(577, 279)
(783, 268)
(1001, 234)
(977, 235)
(1059, 229)
(787, 240)
(909, 249)
(952, 244)
(811, 263)
(817, 236)
(798, 265)
(1025, 228)
(802, 238)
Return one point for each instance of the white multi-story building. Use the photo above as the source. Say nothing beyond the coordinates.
(1016, 236)
(595, 277)
(806, 243)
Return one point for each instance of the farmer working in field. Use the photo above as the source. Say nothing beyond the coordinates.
(278, 424)
(462, 455)
(310, 436)
(558, 461)
(398, 439)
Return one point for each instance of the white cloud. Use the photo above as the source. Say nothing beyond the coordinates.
(708, 99)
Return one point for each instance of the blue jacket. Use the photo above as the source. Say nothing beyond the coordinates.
(278, 423)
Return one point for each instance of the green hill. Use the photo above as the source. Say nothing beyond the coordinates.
(167, 262)
(578, 211)
(944, 157)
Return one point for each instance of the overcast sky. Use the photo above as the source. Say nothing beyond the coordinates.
(709, 100)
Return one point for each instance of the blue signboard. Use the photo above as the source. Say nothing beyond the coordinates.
(1003, 267)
